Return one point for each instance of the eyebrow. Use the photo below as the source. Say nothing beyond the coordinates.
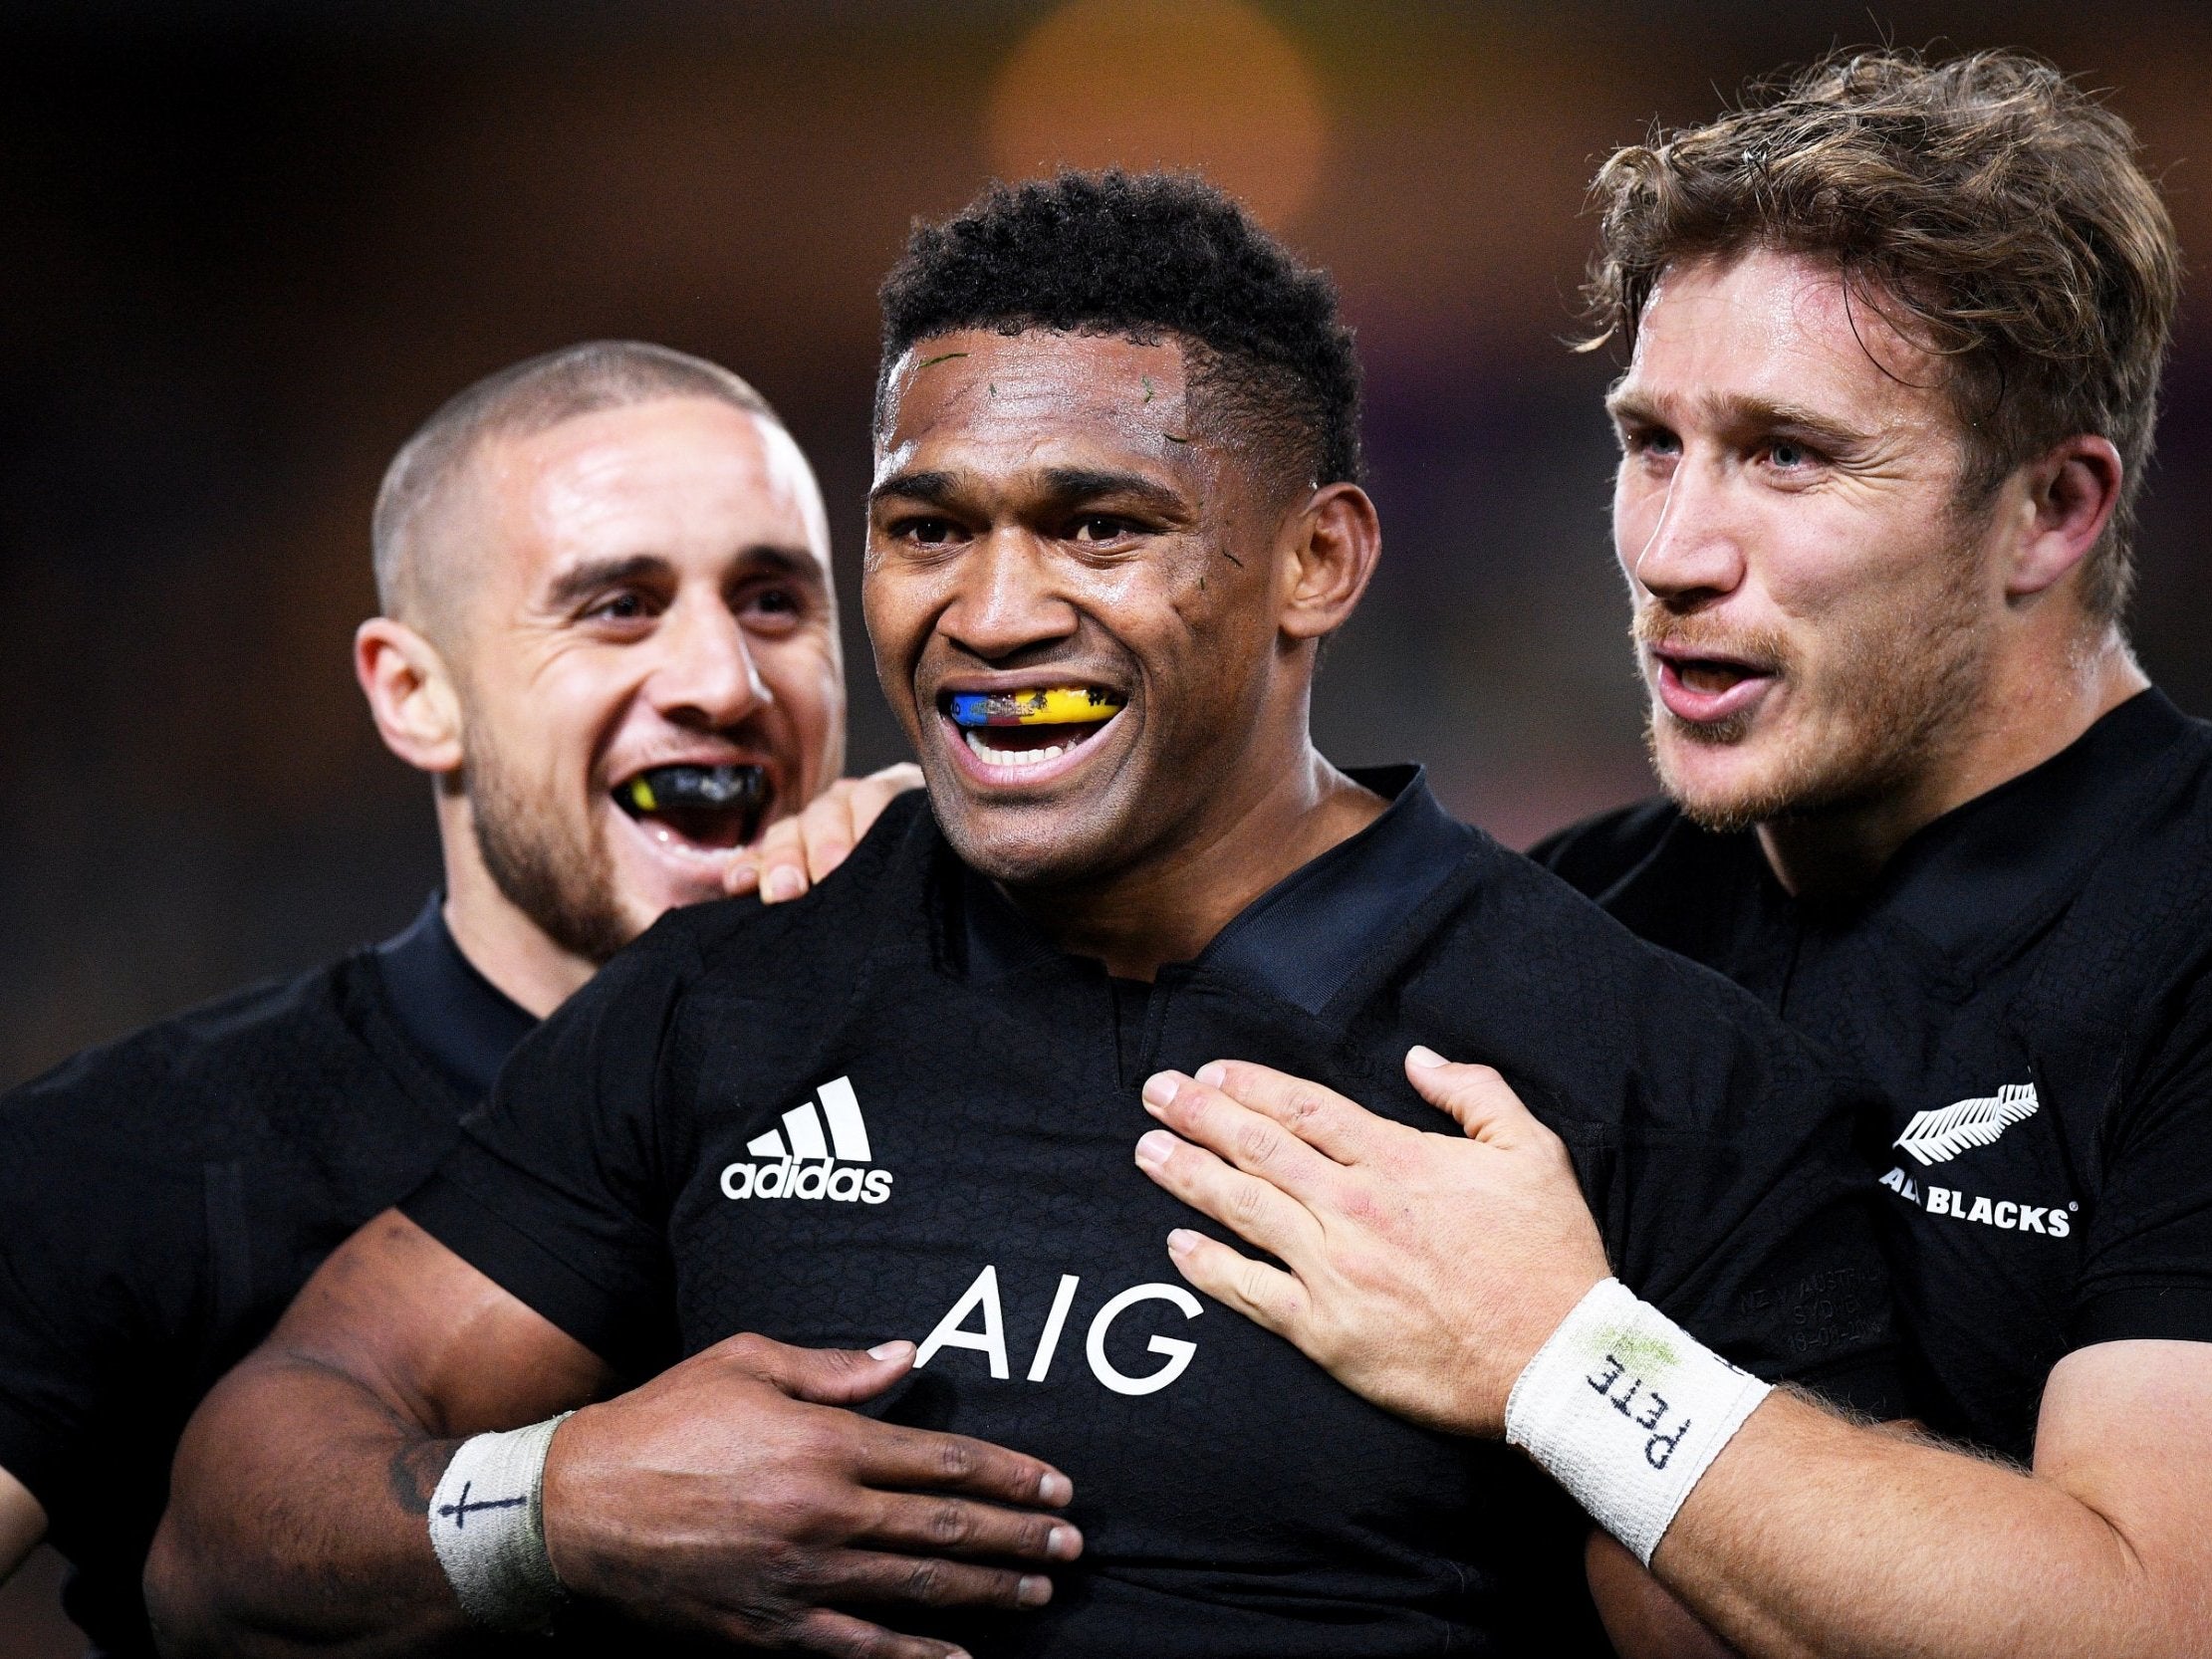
(583, 581)
(1063, 486)
(1069, 485)
(933, 489)
(1739, 413)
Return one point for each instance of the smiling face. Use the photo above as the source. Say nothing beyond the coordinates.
(1814, 613)
(653, 593)
(1048, 517)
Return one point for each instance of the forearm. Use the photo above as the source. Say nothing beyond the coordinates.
(1812, 1535)
(299, 1523)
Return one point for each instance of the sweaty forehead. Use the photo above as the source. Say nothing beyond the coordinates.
(679, 477)
(998, 399)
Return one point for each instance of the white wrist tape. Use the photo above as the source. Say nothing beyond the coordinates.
(1626, 1409)
(487, 1524)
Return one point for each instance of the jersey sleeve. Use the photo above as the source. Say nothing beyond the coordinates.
(2146, 1270)
(555, 1190)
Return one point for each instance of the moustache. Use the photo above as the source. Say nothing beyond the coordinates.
(1763, 650)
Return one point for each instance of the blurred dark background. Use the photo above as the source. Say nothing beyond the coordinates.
(245, 247)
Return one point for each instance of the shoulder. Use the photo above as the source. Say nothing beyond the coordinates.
(696, 965)
(167, 1083)
(1622, 1029)
(1594, 854)
(878, 888)
(2132, 948)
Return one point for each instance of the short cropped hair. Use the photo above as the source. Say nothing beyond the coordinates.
(531, 396)
(1148, 255)
(1991, 209)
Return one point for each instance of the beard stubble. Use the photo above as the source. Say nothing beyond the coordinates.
(563, 881)
(1890, 699)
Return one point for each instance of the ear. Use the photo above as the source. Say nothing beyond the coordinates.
(2070, 495)
(412, 695)
(1335, 540)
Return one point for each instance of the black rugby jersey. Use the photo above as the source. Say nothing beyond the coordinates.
(163, 1197)
(2030, 983)
(894, 1110)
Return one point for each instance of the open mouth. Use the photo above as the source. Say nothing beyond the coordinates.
(1711, 676)
(1033, 726)
(1705, 689)
(711, 807)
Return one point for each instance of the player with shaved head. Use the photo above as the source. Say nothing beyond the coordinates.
(608, 636)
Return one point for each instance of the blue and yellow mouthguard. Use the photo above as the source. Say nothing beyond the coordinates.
(1056, 706)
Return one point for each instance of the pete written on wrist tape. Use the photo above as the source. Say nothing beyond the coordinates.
(487, 1524)
(1626, 1410)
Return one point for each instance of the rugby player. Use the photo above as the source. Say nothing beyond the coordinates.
(595, 567)
(1897, 334)
(1116, 511)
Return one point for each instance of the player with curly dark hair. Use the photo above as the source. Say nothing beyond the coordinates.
(1114, 513)
(1270, 365)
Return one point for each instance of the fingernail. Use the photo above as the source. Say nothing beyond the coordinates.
(1159, 1087)
(1056, 1488)
(1035, 1590)
(1180, 1240)
(781, 883)
(890, 1351)
(1212, 1073)
(1425, 1058)
(1062, 1543)
(1154, 1147)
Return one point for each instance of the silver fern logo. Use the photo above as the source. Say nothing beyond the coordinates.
(1936, 1138)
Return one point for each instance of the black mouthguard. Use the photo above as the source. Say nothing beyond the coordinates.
(677, 789)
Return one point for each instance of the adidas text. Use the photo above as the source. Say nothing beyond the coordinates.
(801, 1161)
(840, 1183)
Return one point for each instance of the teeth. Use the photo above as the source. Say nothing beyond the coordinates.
(1012, 757)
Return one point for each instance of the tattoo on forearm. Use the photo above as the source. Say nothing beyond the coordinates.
(416, 1471)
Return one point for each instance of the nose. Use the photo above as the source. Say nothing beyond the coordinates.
(705, 675)
(1678, 538)
(1006, 600)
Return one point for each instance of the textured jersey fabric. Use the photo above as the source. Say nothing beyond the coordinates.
(162, 1198)
(893, 1110)
(2030, 984)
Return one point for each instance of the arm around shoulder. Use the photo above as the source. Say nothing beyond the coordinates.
(735, 1495)
(298, 1513)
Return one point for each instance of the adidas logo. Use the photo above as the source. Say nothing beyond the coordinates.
(799, 1161)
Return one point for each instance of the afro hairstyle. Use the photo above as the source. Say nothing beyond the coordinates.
(1146, 255)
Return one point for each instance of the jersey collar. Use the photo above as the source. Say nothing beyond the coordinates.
(458, 1019)
(1308, 936)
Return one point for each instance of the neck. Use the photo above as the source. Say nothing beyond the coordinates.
(2027, 714)
(1170, 907)
(500, 942)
